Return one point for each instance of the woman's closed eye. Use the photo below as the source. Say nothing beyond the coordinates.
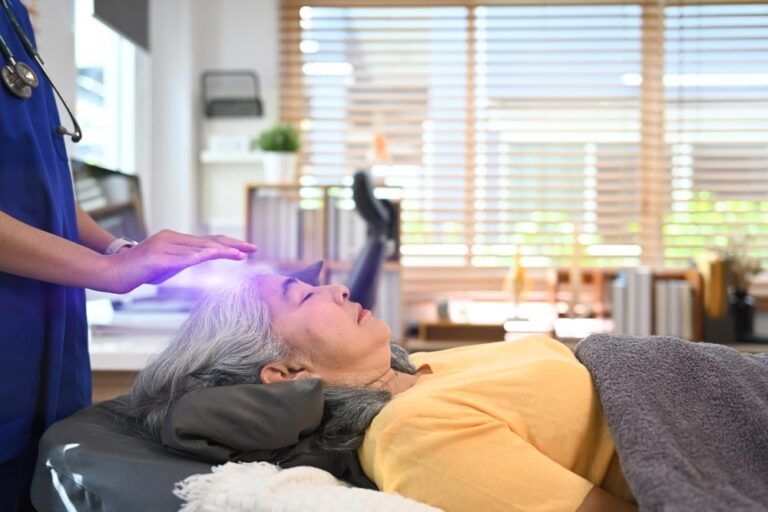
(306, 297)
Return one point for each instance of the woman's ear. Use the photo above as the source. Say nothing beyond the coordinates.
(281, 372)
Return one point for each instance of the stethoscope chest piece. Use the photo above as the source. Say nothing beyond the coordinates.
(26, 74)
(15, 81)
(20, 78)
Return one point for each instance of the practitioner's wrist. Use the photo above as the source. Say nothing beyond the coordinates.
(118, 245)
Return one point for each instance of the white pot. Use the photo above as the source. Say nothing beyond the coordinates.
(279, 167)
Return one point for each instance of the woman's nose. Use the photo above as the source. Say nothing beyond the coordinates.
(340, 293)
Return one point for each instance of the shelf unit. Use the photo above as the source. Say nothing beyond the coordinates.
(295, 225)
(595, 286)
(226, 163)
(231, 157)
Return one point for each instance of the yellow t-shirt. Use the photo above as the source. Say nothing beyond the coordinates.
(506, 426)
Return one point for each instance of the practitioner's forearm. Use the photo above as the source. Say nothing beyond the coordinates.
(30, 252)
(92, 235)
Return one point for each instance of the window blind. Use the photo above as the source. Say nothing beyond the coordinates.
(557, 134)
(716, 83)
(559, 130)
(402, 75)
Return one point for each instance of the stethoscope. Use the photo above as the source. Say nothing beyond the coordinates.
(20, 78)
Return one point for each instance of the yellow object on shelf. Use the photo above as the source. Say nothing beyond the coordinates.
(714, 273)
(514, 281)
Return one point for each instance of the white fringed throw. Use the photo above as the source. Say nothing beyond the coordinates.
(262, 487)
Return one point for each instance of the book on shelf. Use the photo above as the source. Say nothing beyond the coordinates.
(619, 295)
(662, 319)
(639, 297)
(715, 275)
(283, 230)
(332, 224)
(673, 308)
(304, 224)
(687, 306)
(644, 304)
(347, 231)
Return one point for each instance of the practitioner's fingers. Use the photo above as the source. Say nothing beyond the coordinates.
(234, 242)
(171, 242)
(158, 258)
(212, 241)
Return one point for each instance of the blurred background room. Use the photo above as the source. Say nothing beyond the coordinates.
(554, 166)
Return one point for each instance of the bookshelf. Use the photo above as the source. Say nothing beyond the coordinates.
(295, 225)
(597, 293)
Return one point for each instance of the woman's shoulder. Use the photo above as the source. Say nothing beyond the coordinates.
(409, 416)
(528, 346)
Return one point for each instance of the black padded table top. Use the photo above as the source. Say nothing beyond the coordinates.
(94, 461)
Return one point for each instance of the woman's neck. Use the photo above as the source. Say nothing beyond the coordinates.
(396, 382)
(406, 381)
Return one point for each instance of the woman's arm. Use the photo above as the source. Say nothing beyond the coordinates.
(599, 500)
(92, 235)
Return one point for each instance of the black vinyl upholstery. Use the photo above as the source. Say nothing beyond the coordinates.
(94, 461)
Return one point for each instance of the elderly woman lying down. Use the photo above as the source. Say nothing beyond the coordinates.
(493, 427)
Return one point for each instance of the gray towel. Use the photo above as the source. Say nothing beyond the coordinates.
(690, 420)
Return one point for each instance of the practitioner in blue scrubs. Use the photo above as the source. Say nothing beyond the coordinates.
(49, 251)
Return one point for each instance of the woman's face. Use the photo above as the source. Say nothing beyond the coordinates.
(339, 339)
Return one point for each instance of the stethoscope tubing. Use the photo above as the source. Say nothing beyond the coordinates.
(19, 77)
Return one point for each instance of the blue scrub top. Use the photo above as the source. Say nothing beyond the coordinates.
(44, 366)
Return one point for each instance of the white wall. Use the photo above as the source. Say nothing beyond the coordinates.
(187, 37)
(55, 32)
(240, 34)
(172, 193)
(234, 35)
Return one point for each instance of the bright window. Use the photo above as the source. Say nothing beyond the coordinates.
(716, 81)
(106, 92)
(618, 134)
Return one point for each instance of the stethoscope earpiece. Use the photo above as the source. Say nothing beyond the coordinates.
(61, 130)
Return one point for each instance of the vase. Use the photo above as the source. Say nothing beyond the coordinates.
(741, 307)
(279, 167)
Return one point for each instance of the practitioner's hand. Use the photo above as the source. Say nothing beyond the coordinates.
(167, 253)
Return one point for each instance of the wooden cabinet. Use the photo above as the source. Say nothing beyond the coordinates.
(108, 384)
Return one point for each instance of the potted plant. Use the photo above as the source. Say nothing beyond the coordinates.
(279, 144)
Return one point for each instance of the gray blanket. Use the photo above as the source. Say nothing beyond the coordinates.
(690, 420)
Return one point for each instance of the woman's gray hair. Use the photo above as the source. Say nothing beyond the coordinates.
(227, 340)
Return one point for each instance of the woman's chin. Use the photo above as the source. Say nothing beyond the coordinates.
(385, 329)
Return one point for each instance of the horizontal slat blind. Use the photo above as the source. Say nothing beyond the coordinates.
(557, 134)
(717, 128)
(608, 131)
(400, 73)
